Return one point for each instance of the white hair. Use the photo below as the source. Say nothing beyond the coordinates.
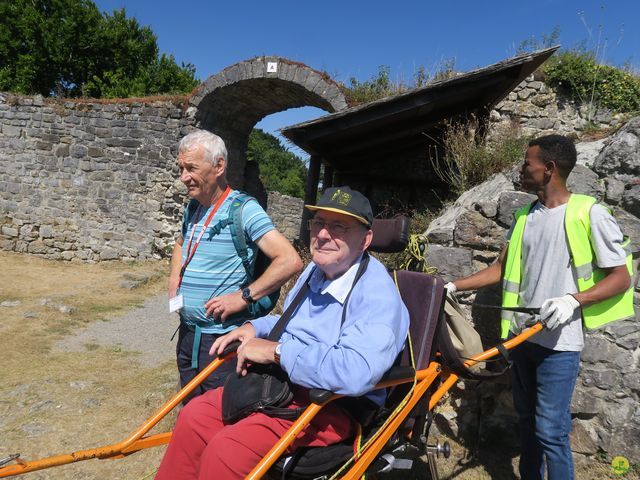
(211, 143)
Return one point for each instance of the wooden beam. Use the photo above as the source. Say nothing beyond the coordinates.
(310, 196)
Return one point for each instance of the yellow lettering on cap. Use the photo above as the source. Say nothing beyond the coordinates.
(344, 199)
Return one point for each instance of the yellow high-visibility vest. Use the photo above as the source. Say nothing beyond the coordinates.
(577, 225)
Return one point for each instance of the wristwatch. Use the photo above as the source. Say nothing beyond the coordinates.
(246, 295)
(276, 353)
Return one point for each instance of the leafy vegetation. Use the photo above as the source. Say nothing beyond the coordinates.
(593, 83)
(583, 73)
(280, 170)
(381, 85)
(469, 158)
(67, 48)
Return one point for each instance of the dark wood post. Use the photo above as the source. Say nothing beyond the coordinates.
(310, 195)
(327, 178)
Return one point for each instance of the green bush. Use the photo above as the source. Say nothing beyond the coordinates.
(591, 83)
(381, 85)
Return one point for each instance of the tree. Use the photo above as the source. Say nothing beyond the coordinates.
(68, 48)
(280, 170)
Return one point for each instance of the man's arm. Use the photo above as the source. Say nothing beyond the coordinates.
(285, 262)
(485, 277)
(175, 265)
(617, 280)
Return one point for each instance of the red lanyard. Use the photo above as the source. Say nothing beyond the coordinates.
(191, 253)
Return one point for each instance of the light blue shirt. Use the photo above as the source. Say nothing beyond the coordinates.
(349, 359)
(216, 269)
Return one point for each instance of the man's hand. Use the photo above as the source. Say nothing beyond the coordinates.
(451, 287)
(558, 311)
(242, 334)
(173, 286)
(255, 350)
(219, 308)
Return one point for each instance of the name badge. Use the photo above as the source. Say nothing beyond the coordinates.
(176, 303)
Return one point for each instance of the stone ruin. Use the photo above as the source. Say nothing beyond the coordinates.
(91, 180)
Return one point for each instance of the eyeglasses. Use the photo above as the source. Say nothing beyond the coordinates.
(334, 229)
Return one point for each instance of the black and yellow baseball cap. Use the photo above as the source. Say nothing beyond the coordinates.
(347, 201)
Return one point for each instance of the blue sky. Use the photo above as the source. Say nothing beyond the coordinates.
(353, 38)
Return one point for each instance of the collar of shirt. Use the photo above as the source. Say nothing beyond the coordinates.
(339, 287)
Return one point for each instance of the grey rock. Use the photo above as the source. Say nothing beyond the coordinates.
(614, 189)
(441, 229)
(78, 151)
(475, 231)
(581, 441)
(67, 310)
(9, 231)
(81, 384)
(62, 151)
(41, 405)
(585, 181)
(46, 231)
(108, 253)
(509, 202)
(134, 280)
(631, 199)
(589, 151)
(630, 226)
(622, 154)
(11, 131)
(450, 262)
(585, 402)
(603, 379)
(484, 197)
(10, 303)
(597, 350)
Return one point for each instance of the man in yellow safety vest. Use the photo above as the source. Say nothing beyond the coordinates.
(567, 255)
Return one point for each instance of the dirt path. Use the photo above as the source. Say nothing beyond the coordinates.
(144, 331)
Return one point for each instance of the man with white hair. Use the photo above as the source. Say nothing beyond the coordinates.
(208, 284)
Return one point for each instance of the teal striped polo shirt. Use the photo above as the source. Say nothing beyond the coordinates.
(216, 268)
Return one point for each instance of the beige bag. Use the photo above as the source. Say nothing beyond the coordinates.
(464, 339)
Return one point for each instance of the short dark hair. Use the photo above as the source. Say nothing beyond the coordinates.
(558, 149)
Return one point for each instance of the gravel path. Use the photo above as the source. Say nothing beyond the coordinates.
(145, 330)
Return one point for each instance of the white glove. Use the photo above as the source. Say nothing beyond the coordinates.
(451, 288)
(558, 311)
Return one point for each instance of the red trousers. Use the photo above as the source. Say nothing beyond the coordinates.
(202, 447)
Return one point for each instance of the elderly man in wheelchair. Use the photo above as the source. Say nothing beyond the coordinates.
(343, 327)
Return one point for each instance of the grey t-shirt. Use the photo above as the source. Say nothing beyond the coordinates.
(546, 267)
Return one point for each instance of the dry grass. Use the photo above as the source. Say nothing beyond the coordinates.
(58, 402)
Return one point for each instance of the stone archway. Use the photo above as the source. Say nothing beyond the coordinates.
(231, 102)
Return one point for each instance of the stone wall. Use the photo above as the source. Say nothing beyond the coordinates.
(540, 109)
(94, 181)
(89, 181)
(286, 213)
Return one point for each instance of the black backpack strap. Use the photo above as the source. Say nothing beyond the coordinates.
(278, 328)
(361, 269)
